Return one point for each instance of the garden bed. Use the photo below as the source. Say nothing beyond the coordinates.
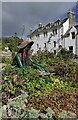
(56, 92)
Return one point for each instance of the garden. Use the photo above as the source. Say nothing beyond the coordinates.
(28, 94)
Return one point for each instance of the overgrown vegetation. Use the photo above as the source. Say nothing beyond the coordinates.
(57, 91)
(11, 43)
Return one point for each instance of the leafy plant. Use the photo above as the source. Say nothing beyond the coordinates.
(56, 91)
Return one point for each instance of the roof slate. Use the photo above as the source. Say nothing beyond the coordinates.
(67, 33)
(76, 26)
(49, 26)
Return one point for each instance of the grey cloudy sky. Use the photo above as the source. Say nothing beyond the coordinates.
(30, 14)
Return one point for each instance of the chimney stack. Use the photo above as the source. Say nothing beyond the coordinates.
(71, 17)
(39, 25)
(30, 30)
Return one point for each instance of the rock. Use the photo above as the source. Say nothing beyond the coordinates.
(33, 113)
(72, 115)
(67, 114)
(3, 112)
(50, 112)
(42, 115)
(63, 114)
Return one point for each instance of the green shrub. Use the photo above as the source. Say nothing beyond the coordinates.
(11, 42)
(6, 60)
(65, 54)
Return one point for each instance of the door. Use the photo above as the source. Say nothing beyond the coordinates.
(71, 49)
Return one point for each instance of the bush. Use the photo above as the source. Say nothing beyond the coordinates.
(65, 54)
(11, 42)
(6, 60)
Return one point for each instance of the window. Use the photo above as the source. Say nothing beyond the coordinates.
(55, 31)
(45, 34)
(38, 35)
(37, 46)
(73, 35)
(45, 45)
(54, 43)
(54, 51)
(71, 49)
(62, 30)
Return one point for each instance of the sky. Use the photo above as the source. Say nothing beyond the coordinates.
(19, 16)
(0, 20)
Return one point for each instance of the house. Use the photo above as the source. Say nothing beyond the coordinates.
(70, 39)
(77, 43)
(53, 35)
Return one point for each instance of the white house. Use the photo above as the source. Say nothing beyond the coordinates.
(70, 39)
(53, 35)
(77, 43)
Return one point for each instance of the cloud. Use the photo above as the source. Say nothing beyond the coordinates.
(39, 0)
(0, 19)
(30, 14)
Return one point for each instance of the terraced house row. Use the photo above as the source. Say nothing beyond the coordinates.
(63, 33)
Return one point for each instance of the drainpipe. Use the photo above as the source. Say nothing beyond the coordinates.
(76, 52)
(64, 42)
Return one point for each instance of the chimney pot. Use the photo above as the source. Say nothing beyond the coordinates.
(71, 17)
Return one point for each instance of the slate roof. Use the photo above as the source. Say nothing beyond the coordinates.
(49, 26)
(76, 26)
(67, 33)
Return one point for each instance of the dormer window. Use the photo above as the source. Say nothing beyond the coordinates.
(55, 31)
(73, 35)
(45, 34)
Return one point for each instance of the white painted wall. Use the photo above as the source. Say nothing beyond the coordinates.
(68, 41)
(77, 44)
(65, 26)
(41, 40)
